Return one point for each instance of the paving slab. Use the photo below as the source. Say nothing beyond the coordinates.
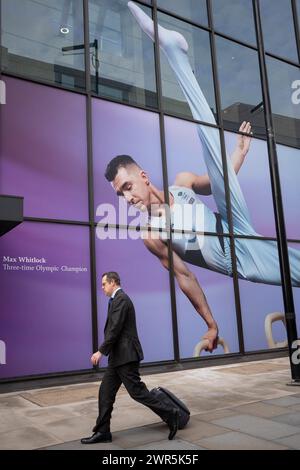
(258, 427)
(291, 418)
(26, 438)
(239, 441)
(175, 444)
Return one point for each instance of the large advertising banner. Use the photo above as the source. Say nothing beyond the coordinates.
(45, 299)
(46, 323)
(43, 150)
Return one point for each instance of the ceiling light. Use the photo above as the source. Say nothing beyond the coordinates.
(64, 30)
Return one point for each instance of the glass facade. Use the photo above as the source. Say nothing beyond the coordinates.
(122, 60)
(39, 40)
(277, 16)
(86, 82)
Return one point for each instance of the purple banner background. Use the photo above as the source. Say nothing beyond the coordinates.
(43, 150)
(46, 317)
(147, 284)
(296, 294)
(259, 300)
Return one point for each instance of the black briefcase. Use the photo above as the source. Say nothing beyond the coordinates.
(167, 397)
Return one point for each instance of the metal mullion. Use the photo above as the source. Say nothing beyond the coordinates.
(56, 221)
(119, 101)
(235, 40)
(277, 200)
(93, 277)
(226, 184)
(166, 183)
(181, 18)
(282, 59)
(56, 85)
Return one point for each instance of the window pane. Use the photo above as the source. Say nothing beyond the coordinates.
(241, 94)
(187, 157)
(34, 35)
(146, 282)
(284, 83)
(289, 166)
(46, 302)
(294, 257)
(122, 56)
(278, 28)
(219, 293)
(249, 157)
(235, 18)
(43, 152)
(124, 130)
(200, 65)
(259, 302)
(298, 11)
(194, 10)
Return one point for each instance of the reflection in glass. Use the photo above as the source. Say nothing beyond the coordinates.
(298, 12)
(284, 84)
(278, 28)
(43, 152)
(289, 166)
(174, 100)
(122, 57)
(194, 10)
(239, 77)
(235, 18)
(34, 35)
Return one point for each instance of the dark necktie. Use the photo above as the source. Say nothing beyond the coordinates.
(109, 302)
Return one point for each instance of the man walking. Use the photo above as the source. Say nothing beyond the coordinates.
(122, 346)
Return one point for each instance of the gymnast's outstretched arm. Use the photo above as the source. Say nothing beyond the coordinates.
(189, 285)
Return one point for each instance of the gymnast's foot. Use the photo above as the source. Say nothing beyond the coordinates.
(167, 38)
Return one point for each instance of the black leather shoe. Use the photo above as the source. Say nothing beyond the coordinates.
(173, 423)
(97, 437)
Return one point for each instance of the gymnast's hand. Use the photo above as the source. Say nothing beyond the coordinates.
(211, 336)
(244, 141)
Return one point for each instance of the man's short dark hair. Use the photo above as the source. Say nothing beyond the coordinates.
(120, 161)
(112, 276)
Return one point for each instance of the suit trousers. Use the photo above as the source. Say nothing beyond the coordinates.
(128, 374)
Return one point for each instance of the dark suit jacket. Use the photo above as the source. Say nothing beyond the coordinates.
(121, 343)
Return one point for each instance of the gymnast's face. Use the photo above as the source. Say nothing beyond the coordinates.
(133, 184)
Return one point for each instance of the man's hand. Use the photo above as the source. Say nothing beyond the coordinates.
(243, 141)
(212, 337)
(96, 357)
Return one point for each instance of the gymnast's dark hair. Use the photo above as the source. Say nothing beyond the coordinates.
(120, 161)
